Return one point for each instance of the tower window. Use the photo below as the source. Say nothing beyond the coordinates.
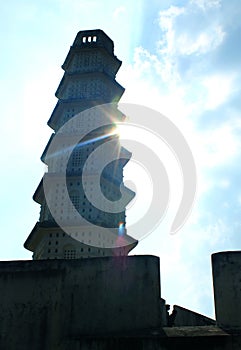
(74, 196)
(69, 253)
(94, 38)
(84, 39)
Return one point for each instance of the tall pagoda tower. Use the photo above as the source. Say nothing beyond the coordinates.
(87, 86)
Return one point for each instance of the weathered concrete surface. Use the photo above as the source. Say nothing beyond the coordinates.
(226, 268)
(170, 338)
(184, 317)
(98, 303)
(44, 303)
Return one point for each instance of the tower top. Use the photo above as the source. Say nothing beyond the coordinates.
(91, 39)
(96, 37)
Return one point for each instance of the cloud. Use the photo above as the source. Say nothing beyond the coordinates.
(189, 37)
(202, 42)
(206, 4)
(119, 11)
(193, 76)
(183, 34)
(219, 88)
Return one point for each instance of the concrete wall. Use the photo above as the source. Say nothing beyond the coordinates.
(43, 303)
(101, 303)
(227, 288)
(183, 317)
(170, 338)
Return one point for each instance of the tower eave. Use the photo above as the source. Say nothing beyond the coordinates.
(75, 50)
(82, 105)
(115, 86)
(43, 156)
(34, 238)
(38, 196)
(42, 228)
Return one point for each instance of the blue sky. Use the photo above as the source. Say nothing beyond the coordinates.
(181, 58)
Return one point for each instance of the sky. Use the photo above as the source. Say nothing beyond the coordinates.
(181, 58)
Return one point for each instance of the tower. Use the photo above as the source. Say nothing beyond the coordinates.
(76, 229)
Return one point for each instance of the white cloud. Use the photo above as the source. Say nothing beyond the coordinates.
(201, 43)
(155, 79)
(218, 89)
(217, 146)
(119, 11)
(168, 16)
(187, 31)
(166, 22)
(206, 4)
(224, 183)
(179, 39)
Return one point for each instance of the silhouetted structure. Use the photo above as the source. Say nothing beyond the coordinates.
(111, 302)
(89, 80)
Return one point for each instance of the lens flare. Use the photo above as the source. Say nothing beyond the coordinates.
(121, 229)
